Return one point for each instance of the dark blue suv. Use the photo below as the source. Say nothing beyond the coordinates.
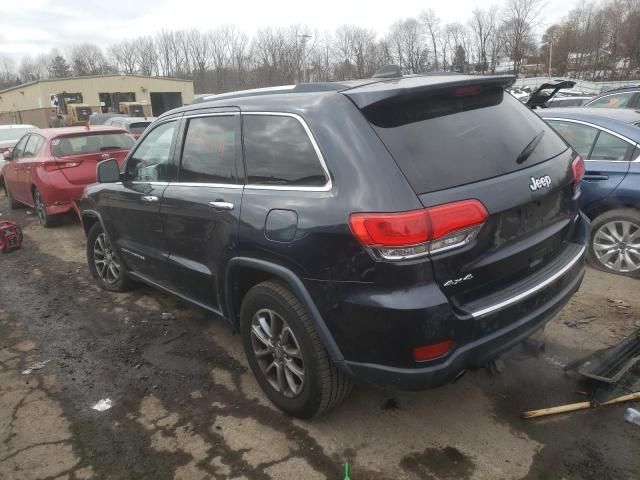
(608, 139)
(395, 230)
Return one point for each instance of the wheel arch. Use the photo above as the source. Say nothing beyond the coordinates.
(88, 218)
(261, 270)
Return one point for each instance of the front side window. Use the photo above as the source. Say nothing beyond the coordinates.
(610, 147)
(150, 161)
(19, 148)
(209, 152)
(279, 152)
(580, 137)
(619, 100)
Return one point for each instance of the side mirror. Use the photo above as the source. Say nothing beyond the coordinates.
(108, 171)
(7, 156)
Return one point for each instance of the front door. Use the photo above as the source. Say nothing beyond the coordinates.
(27, 164)
(12, 174)
(134, 205)
(200, 211)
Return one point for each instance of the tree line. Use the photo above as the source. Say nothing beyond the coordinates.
(596, 39)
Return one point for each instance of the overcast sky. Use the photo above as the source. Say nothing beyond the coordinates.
(36, 26)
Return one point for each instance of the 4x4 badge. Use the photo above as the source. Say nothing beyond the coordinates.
(541, 182)
(457, 281)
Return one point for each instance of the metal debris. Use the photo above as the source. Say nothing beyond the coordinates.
(35, 366)
(103, 405)
(167, 316)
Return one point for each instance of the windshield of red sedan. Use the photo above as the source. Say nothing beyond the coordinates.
(83, 144)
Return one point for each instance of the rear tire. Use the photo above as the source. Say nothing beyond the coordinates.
(104, 264)
(295, 346)
(614, 242)
(13, 205)
(46, 220)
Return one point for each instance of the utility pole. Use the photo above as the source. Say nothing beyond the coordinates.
(303, 38)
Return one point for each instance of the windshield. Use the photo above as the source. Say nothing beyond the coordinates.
(441, 139)
(13, 134)
(83, 144)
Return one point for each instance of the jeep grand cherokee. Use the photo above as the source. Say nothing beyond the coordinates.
(397, 230)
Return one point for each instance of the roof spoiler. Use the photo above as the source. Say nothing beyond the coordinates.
(388, 71)
(366, 95)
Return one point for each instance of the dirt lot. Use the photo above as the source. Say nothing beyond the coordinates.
(186, 407)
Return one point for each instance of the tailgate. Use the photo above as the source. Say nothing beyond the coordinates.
(460, 141)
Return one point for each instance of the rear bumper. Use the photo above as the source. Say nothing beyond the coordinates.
(59, 194)
(471, 355)
(377, 329)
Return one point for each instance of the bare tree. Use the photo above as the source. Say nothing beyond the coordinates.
(432, 25)
(88, 59)
(124, 56)
(483, 24)
(147, 55)
(520, 16)
(8, 74)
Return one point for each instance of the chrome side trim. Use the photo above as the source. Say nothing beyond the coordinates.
(141, 182)
(211, 185)
(325, 188)
(532, 290)
(597, 127)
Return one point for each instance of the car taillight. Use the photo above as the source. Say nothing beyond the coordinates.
(51, 166)
(431, 352)
(404, 235)
(578, 168)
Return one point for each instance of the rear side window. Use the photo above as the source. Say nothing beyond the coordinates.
(580, 137)
(618, 100)
(610, 147)
(449, 138)
(209, 153)
(82, 144)
(278, 152)
(138, 127)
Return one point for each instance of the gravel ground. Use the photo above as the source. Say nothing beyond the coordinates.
(186, 406)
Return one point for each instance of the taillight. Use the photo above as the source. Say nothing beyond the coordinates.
(431, 352)
(56, 165)
(404, 235)
(578, 168)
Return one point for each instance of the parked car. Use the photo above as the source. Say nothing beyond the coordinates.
(620, 98)
(10, 134)
(134, 125)
(561, 101)
(608, 139)
(101, 118)
(49, 168)
(352, 230)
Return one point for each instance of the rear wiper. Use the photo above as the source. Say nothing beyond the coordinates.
(528, 150)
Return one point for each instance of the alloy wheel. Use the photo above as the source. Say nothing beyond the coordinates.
(277, 352)
(105, 261)
(616, 245)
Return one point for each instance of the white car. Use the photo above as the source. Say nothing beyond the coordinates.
(10, 134)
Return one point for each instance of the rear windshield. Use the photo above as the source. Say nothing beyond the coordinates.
(139, 127)
(81, 144)
(441, 140)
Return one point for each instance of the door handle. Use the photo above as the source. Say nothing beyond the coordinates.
(595, 177)
(221, 205)
(149, 198)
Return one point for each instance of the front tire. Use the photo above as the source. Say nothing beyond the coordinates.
(104, 265)
(614, 243)
(286, 354)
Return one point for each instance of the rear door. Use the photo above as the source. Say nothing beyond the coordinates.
(134, 204)
(467, 141)
(201, 209)
(606, 157)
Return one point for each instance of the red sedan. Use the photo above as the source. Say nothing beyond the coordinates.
(48, 169)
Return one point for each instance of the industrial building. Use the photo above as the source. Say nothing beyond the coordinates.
(41, 101)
